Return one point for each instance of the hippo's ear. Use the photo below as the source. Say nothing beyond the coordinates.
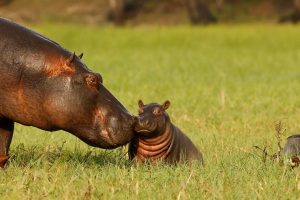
(71, 59)
(140, 103)
(166, 104)
(80, 56)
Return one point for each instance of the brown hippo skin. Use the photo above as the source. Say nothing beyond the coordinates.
(156, 138)
(292, 146)
(45, 86)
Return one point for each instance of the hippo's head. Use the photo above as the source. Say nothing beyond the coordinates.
(78, 102)
(152, 118)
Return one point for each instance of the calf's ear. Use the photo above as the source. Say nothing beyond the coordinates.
(166, 105)
(140, 103)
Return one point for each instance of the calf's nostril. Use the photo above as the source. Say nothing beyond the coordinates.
(134, 119)
(145, 123)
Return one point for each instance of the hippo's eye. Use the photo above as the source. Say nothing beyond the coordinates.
(92, 80)
(157, 111)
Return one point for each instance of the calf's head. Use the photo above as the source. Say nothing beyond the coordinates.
(152, 118)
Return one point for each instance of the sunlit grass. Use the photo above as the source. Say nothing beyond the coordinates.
(227, 85)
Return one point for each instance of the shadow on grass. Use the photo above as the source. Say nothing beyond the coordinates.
(55, 156)
(31, 156)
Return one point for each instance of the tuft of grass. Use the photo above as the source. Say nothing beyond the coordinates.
(227, 85)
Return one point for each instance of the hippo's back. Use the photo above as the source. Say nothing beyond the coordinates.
(183, 149)
(292, 146)
(24, 58)
(21, 47)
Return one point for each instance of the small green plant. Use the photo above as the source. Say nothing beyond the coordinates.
(279, 132)
(292, 161)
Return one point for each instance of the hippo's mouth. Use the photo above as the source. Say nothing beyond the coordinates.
(143, 131)
(115, 140)
(139, 128)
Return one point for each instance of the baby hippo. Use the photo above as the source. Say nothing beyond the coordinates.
(157, 139)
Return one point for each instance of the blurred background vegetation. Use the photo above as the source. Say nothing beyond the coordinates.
(148, 12)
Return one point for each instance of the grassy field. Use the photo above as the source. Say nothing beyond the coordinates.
(228, 85)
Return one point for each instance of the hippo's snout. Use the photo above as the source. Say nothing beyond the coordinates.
(118, 131)
(143, 125)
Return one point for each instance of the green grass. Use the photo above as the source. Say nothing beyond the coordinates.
(227, 85)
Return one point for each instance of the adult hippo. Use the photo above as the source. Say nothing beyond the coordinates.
(46, 86)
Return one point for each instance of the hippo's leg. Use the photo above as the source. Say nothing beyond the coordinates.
(6, 134)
